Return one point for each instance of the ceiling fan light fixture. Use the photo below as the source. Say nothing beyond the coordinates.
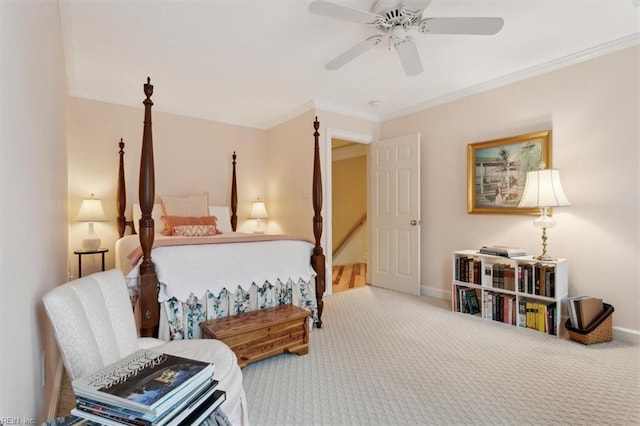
(398, 35)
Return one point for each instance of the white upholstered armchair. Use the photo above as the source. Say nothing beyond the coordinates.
(94, 326)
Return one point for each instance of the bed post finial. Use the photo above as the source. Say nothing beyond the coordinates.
(148, 90)
(318, 258)
(234, 195)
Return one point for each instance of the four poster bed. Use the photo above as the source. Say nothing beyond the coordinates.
(183, 269)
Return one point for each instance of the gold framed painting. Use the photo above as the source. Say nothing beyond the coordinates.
(497, 171)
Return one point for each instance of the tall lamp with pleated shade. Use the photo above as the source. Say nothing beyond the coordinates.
(258, 212)
(91, 211)
(543, 189)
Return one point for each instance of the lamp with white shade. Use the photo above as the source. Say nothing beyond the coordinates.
(258, 212)
(91, 211)
(543, 189)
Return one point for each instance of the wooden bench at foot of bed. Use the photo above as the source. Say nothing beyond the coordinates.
(259, 334)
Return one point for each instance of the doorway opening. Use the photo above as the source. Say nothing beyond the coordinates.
(349, 205)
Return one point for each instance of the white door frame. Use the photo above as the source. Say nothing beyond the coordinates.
(327, 243)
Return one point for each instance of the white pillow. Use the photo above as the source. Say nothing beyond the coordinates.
(194, 205)
(224, 217)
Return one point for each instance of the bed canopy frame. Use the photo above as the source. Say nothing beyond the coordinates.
(148, 282)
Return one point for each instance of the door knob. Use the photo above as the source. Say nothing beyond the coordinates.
(414, 222)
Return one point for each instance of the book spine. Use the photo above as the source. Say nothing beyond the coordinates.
(541, 317)
(522, 313)
(519, 279)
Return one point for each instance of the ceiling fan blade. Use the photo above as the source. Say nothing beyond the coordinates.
(332, 10)
(353, 53)
(416, 5)
(478, 26)
(409, 57)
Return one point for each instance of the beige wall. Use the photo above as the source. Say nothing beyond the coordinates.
(593, 110)
(33, 208)
(349, 195)
(191, 155)
(289, 164)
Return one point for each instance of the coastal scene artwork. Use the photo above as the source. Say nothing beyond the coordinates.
(497, 170)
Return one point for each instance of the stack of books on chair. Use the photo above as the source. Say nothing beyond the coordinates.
(149, 388)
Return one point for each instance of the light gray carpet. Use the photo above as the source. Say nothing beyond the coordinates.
(387, 358)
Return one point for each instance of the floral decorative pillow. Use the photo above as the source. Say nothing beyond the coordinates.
(195, 230)
(171, 222)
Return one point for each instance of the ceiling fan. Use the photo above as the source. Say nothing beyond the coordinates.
(395, 20)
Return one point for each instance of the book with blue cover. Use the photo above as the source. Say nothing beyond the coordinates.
(148, 382)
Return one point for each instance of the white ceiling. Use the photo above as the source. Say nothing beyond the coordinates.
(259, 62)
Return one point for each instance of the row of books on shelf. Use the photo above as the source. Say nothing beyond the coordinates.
(465, 300)
(503, 276)
(532, 278)
(149, 388)
(538, 279)
(499, 307)
(584, 311)
(504, 308)
(538, 316)
(468, 270)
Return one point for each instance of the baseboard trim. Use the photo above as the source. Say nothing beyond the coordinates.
(626, 335)
(619, 333)
(434, 292)
(52, 413)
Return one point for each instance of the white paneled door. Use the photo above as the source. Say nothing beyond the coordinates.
(395, 213)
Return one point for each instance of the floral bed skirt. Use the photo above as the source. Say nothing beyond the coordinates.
(181, 319)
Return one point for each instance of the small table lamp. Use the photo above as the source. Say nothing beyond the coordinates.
(258, 212)
(91, 211)
(544, 190)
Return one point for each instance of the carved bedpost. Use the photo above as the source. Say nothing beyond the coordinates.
(234, 196)
(150, 312)
(318, 258)
(121, 201)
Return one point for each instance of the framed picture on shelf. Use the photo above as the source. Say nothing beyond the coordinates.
(497, 171)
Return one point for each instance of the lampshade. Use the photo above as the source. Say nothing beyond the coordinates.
(543, 189)
(91, 211)
(258, 210)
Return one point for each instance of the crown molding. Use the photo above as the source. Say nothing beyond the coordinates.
(565, 61)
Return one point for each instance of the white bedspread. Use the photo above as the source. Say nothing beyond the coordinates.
(194, 269)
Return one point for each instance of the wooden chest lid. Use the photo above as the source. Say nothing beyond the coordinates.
(254, 320)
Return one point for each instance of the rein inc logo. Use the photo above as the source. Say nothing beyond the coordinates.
(17, 421)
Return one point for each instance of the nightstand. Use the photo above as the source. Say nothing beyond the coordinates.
(81, 253)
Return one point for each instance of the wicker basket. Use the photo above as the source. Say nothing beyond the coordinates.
(599, 332)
